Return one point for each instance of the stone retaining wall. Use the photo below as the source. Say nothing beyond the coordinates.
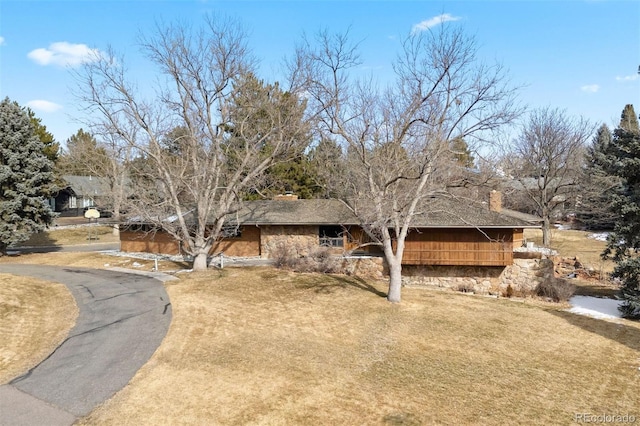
(523, 276)
(363, 266)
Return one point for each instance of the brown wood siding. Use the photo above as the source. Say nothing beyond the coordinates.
(518, 237)
(158, 242)
(459, 247)
(357, 239)
(247, 245)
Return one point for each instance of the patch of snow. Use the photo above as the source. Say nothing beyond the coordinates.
(562, 227)
(599, 236)
(136, 264)
(543, 250)
(595, 307)
(145, 256)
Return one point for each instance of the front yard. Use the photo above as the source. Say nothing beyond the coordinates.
(261, 346)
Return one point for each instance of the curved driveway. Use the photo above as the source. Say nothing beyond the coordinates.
(122, 320)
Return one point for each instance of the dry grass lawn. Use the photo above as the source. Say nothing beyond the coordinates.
(35, 317)
(572, 243)
(72, 236)
(261, 346)
(94, 260)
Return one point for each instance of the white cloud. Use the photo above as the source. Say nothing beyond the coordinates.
(590, 88)
(45, 106)
(436, 20)
(1, 40)
(64, 54)
(631, 77)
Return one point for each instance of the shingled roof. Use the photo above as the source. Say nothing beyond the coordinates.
(457, 213)
(90, 186)
(295, 212)
(437, 213)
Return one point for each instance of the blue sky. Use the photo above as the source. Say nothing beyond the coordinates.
(578, 55)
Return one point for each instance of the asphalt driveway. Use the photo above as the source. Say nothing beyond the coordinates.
(122, 320)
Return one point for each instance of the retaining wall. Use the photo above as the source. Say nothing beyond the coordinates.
(523, 275)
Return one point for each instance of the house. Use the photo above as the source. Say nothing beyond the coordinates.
(455, 243)
(453, 232)
(79, 193)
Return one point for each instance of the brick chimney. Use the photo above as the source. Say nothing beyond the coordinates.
(495, 201)
(289, 196)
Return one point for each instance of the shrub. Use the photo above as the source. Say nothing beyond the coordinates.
(323, 261)
(508, 292)
(283, 256)
(557, 290)
(465, 288)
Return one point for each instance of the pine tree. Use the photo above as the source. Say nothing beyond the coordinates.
(327, 161)
(51, 147)
(26, 177)
(83, 156)
(598, 185)
(461, 153)
(624, 242)
(628, 120)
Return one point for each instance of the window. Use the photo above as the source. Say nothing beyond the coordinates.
(73, 203)
(230, 231)
(331, 236)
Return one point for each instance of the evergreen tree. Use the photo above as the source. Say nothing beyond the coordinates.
(83, 156)
(461, 153)
(628, 120)
(598, 185)
(51, 147)
(328, 164)
(297, 175)
(290, 170)
(624, 242)
(26, 177)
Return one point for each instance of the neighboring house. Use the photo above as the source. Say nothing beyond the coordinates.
(454, 232)
(78, 194)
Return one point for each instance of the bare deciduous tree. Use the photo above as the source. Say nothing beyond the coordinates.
(398, 139)
(232, 128)
(546, 161)
(108, 159)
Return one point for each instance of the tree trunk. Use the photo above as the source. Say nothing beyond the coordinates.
(395, 281)
(116, 230)
(546, 232)
(200, 261)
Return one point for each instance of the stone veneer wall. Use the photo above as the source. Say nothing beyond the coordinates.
(526, 274)
(363, 266)
(298, 239)
(523, 276)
